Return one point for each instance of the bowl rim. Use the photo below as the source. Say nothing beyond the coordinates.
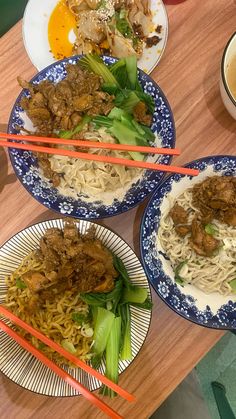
(223, 69)
(141, 250)
(104, 213)
(118, 235)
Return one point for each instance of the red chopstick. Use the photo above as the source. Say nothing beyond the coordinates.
(60, 372)
(91, 144)
(123, 393)
(101, 158)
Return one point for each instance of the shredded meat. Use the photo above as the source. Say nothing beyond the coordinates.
(60, 106)
(152, 40)
(158, 28)
(70, 261)
(138, 30)
(215, 197)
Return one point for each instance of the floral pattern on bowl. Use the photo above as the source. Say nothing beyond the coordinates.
(26, 168)
(210, 310)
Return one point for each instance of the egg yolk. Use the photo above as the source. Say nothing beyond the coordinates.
(61, 22)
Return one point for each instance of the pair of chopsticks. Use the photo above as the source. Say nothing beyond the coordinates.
(59, 371)
(95, 157)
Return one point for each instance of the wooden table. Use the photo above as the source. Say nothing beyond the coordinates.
(189, 75)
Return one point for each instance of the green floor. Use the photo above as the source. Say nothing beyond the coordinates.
(194, 397)
(219, 365)
(10, 12)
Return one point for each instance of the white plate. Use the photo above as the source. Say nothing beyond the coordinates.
(35, 34)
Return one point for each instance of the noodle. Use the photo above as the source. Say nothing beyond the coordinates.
(95, 180)
(54, 318)
(210, 274)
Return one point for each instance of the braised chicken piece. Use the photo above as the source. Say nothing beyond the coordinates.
(35, 281)
(70, 260)
(180, 218)
(141, 114)
(215, 197)
(202, 243)
(229, 216)
(179, 215)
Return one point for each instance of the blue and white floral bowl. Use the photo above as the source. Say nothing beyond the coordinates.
(26, 167)
(210, 310)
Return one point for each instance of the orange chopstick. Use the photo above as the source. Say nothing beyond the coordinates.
(101, 158)
(60, 372)
(123, 393)
(91, 144)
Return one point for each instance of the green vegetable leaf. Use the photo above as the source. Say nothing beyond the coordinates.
(118, 69)
(178, 279)
(94, 299)
(233, 285)
(125, 347)
(211, 229)
(69, 134)
(20, 284)
(124, 27)
(110, 88)
(94, 63)
(112, 356)
(125, 133)
(122, 24)
(79, 317)
(102, 121)
(41, 345)
(68, 346)
(118, 113)
(101, 299)
(147, 99)
(126, 100)
(102, 328)
(150, 137)
(147, 305)
(120, 267)
(134, 294)
(132, 70)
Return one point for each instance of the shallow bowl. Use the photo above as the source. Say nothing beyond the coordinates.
(210, 310)
(26, 166)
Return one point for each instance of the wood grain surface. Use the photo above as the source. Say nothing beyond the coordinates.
(189, 75)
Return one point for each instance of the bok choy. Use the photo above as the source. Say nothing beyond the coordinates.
(112, 321)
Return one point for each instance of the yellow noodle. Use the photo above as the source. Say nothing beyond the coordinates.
(54, 319)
